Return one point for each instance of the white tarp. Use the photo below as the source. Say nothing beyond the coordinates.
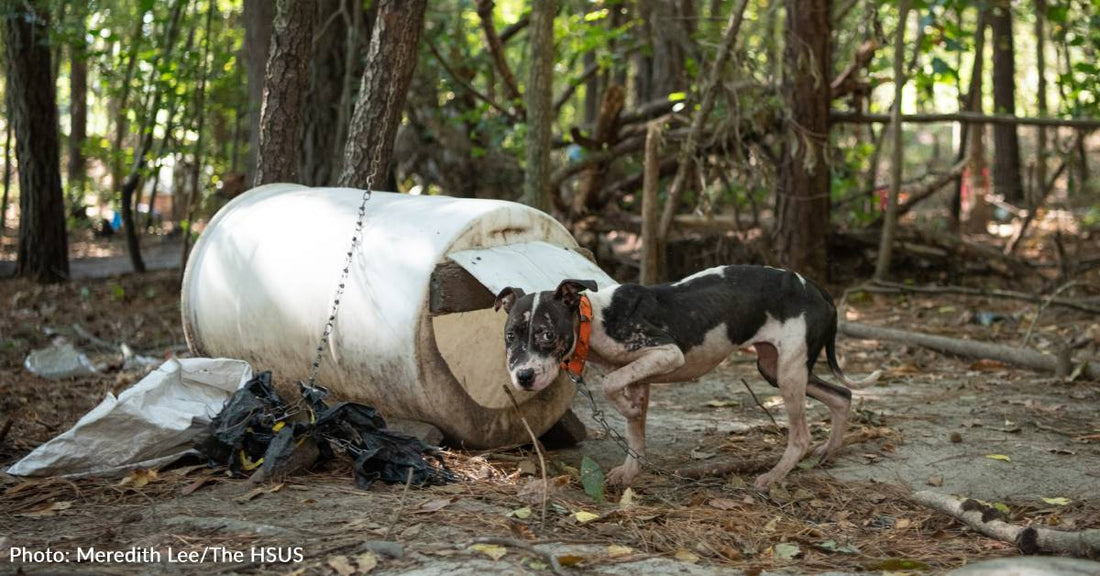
(149, 424)
(532, 266)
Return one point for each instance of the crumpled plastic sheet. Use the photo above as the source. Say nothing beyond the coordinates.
(258, 429)
(152, 423)
(58, 362)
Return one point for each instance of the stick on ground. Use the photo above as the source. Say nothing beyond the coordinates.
(1029, 540)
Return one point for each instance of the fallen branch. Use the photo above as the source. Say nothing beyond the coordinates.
(549, 558)
(1030, 540)
(894, 288)
(842, 117)
(1026, 358)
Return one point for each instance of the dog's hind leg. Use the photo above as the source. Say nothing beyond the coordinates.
(839, 401)
(793, 379)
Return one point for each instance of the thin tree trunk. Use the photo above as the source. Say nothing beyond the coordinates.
(973, 104)
(651, 244)
(43, 254)
(886, 246)
(391, 61)
(1041, 70)
(259, 16)
(7, 161)
(124, 100)
(78, 112)
(803, 190)
(539, 99)
(145, 140)
(200, 113)
(352, 64)
(321, 105)
(1006, 157)
(285, 84)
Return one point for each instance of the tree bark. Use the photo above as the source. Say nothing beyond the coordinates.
(78, 111)
(973, 104)
(329, 60)
(803, 191)
(539, 100)
(1006, 157)
(651, 244)
(43, 245)
(259, 16)
(7, 161)
(1041, 70)
(391, 61)
(285, 82)
(886, 246)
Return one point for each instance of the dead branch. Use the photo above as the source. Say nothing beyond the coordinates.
(549, 558)
(567, 93)
(892, 287)
(605, 132)
(1027, 358)
(844, 117)
(710, 92)
(1030, 539)
(515, 27)
(928, 190)
(651, 258)
(1032, 211)
(847, 82)
(495, 47)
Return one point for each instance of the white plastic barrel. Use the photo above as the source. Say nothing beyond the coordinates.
(261, 278)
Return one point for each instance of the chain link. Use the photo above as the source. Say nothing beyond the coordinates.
(356, 237)
(613, 434)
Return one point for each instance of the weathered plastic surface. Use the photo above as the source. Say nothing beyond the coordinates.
(58, 361)
(260, 280)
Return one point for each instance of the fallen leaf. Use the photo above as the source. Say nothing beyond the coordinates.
(617, 551)
(1059, 501)
(701, 455)
(412, 531)
(366, 562)
(570, 559)
(435, 505)
(252, 494)
(342, 565)
(722, 503)
(684, 555)
(521, 513)
(138, 478)
(832, 546)
(491, 550)
(584, 516)
(902, 523)
(722, 403)
(786, 550)
(626, 501)
(592, 479)
(936, 480)
(521, 530)
(771, 525)
(48, 509)
(1001, 457)
(987, 365)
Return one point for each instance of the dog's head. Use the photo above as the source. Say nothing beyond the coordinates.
(540, 332)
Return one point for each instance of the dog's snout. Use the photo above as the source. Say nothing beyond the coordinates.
(525, 378)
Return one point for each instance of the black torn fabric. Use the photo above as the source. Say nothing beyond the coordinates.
(257, 428)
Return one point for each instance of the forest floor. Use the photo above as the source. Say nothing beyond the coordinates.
(972, 428)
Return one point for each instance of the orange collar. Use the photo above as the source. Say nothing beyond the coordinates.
(574, 364)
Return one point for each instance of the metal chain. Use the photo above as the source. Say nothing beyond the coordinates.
(613, 434)
(356, 237)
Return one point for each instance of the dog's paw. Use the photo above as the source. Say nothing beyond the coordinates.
(824, 453)
(627, 406)
(623, 475)
(764, 481)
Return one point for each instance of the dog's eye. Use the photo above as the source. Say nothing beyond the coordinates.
(509, 337)
(545, 337)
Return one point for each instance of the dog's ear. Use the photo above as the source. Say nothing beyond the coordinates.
(569, 289)
(507, 298)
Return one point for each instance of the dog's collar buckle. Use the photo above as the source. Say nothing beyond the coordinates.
(574, 363)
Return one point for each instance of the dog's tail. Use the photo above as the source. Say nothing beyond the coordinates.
(830, 355)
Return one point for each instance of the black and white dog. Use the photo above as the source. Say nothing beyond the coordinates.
(677, 332)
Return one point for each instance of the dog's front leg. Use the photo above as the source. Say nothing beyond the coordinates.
(628, 390)
(635, 439)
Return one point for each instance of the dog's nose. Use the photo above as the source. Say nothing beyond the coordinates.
(526, 378)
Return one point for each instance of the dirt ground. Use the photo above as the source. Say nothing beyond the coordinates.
(977, 429)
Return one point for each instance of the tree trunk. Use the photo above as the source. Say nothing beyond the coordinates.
(285, 83)
(78, 113)
(123, 101)
(329, 59)
(391, 61)
(1006, 158)
(886, 246)
(539, 101)
(973, 103)
(259, 16)
(200, 114)
(670, 41)
(7, 162)
(1041, 70)
(43, 246)
(803, 191)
